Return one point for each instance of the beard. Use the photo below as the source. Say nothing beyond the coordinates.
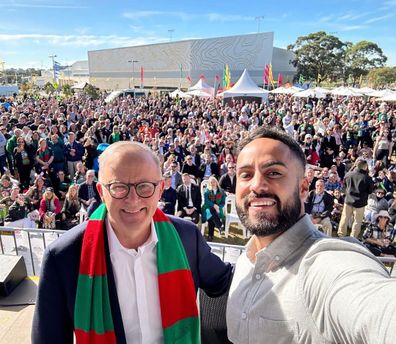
(268, 224)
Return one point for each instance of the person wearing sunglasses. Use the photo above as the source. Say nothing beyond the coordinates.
(130, 274)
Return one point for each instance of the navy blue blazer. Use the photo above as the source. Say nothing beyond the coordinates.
(54, 313)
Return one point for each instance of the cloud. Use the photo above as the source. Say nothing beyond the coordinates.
(227, 17)
(10, 5)
(377, 19)
(146, 14)
(82, 40)
(326, 19)
(350, 27)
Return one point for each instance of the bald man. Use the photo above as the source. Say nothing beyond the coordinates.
(130, 274)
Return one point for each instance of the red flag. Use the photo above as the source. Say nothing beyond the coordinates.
(141, 76)
(202, 76)
(217, 77)
(266, 74)
(189, 78)
(280, 79)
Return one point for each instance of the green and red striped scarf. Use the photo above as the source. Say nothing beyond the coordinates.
(93, 321)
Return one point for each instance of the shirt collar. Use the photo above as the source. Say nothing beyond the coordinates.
(115, 245)
(283, 247)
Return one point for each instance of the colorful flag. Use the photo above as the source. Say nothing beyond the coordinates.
(202, 77)
(301, 79)
(280, 79)
(271, 77)
(226, 77)
(216, 84)
(56, 68)
(141, 76)
(189, 78)
(266, 74)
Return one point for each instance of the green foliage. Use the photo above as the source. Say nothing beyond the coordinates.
(317, 56)
(49, 88)
(385, 76)
(362, 57)
(92, 91)
(67, 91)
(320, 56)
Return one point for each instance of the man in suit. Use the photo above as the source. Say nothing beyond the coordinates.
(319, 205)
(88, 193)
(189, 199)
(169, 196)
(176, 177)
(228, 181)
(129, 236)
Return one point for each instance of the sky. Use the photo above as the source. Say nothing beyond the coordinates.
(32, 30)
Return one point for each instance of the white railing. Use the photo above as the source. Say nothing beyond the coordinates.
(11, 238)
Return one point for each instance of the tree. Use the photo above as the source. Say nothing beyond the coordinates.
(49, 88)
(317, 56)
(67, 90)
(362, 57)
(385, 76)
(92, 91)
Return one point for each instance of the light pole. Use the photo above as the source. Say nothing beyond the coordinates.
(258, 18)
(133, 71)
(53, 64)
(170, 34)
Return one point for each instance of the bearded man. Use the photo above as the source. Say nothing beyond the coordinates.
(293, 284)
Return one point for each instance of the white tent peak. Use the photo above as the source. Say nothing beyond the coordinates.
(245, 84)
(202, 85)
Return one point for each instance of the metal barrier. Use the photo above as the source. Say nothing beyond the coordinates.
(6, 231)
(226, 252)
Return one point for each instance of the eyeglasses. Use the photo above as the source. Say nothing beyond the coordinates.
(119, 190)
(231, 167)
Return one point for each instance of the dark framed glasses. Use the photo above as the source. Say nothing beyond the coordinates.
(120, 190)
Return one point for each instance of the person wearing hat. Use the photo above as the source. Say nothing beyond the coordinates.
(379, 236)
(375, 203)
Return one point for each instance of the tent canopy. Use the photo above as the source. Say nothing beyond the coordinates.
(179, 93)
(245, 87)
(201, 85)
(286, 90)
(198, 93)
(79, 86)
(317, 92)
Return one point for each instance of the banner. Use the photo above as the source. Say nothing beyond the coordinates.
(141, 77)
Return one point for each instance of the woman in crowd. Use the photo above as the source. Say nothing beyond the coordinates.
(50, 209)
(79, 177)
(379, 236)
(71, 208)
(212, 209)
(44, 158)
(24, 161)
(36, 192)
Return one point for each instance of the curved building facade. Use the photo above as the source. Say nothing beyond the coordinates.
(181, 64)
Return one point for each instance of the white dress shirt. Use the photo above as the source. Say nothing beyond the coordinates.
(136, 280)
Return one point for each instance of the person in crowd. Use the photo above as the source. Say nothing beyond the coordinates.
(168, 197)
(176, 176)
(189, 167)
(88, 194)
(61, 185)
(375, 203)
(74, 152)
(319, 205)
(213, 207)
(18, 214)
(115, 135)
(10, 147)
(332, 183)
(294, 282)
(71, 208)
(140, 249)
(188, 199)
(3, 152)
(379, 236)
(208, 167)
(24, 158)
(44, 158)
(80, 174)
(50, 210)
(36, 191)
(57, 146)
(358, 186)
(227, 181)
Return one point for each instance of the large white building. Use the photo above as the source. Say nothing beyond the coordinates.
(172, 64)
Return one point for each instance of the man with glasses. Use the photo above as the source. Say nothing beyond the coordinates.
(130, 274)
(228, 181)
(88, 193)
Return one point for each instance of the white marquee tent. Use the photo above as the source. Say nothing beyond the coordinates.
(179, 93)
(286, 90)
(317, 92)
(201, 85)
(245, 87)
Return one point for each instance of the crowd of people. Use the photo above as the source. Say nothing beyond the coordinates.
(49, 150)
